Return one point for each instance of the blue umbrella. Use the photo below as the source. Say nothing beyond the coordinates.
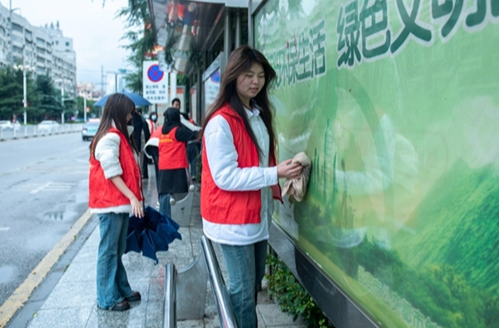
(151, 234)
(138, 100)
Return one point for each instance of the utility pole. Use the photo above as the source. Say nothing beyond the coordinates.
(62, 103)
(102, 79)
(62, 81)
(10, 34)
(85, 108)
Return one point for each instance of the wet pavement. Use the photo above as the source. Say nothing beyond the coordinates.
(72, 301)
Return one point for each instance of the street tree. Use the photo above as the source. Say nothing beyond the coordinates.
(11, 93)
(47, 103)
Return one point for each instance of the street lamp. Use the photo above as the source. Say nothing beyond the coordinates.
(63, 82)
(24, 68)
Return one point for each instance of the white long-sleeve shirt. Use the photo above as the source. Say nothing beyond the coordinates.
(222, 158)
(107, 152)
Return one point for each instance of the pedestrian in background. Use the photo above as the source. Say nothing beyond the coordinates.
(152, 152)
(238, 170)
(151, 122)
(193, 146)
(141, 135)
(173, 158)
(176, 103)
(115, 191)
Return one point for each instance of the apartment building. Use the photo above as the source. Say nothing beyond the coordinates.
(44, 50)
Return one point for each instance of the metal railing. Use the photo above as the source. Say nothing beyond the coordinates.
(170, 310)
(224, 306)
(27, 131)
(189, 288)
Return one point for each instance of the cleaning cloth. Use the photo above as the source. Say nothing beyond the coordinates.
(297, 188)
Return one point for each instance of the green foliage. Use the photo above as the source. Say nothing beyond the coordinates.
(437, 291)
(291, 296)
(446, 270)
(11, 93)
(93, 111)
(142, 43)
(199, 167)
(142, 40)
(44, 101)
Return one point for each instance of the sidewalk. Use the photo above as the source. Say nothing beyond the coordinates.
(72, 301)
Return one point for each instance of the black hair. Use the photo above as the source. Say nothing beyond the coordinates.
(116, 110)
(240, 62)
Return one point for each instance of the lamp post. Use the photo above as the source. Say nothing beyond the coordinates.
(24, 68)
(63, 82)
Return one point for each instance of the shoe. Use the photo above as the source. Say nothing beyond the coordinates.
(134, 297)
(121, 306)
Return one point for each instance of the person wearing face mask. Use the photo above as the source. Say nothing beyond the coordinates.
(151, 122)
(115, 192)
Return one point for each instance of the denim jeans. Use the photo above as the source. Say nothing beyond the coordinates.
(164, 205)
(245, 268)
(112, 281)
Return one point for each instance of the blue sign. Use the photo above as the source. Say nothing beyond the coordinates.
(154, 73)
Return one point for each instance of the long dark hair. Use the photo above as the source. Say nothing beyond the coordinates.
(240, 62)
(116, 110)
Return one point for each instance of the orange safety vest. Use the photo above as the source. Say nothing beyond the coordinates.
(102, 192)
(172, 153)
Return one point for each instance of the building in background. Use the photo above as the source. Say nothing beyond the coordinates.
(45, 50)
(116, 81)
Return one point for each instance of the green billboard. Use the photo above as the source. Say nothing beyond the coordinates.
(397, 105)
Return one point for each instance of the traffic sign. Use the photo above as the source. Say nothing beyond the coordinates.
(155, 83)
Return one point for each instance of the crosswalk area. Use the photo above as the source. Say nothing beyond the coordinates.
(50, 186)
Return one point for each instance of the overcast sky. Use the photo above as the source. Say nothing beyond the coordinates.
(95, 31)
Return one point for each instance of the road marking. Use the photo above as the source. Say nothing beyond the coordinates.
(34, 188)
(34, 191)
(22, 293)
(4, 228)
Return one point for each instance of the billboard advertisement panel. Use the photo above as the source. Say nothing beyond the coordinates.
(397, 104)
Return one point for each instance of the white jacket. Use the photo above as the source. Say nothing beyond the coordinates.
(222, 158)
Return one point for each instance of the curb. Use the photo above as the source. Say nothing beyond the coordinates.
(21, 295)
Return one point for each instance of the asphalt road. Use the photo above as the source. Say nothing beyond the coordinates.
(43, 191)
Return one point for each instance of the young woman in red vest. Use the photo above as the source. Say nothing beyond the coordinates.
(115, 191)
(172, 178)
(238, 170)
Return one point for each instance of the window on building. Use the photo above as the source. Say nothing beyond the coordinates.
(17, 49)
(17, 27)
(17, 39)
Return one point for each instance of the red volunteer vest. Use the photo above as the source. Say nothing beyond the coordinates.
(172, 153)
(102, 192)
(232, 207)
(157, 132)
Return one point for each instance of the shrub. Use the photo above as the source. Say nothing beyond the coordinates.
(291, 296)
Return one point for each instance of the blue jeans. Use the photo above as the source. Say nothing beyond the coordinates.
(164, 205)
(246, 268)
(112, 282)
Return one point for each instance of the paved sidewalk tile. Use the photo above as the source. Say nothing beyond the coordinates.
(72, 302)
